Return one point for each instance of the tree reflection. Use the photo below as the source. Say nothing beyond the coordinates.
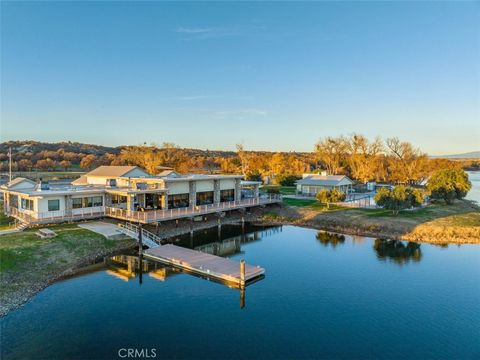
(326, 238)
(397, 251)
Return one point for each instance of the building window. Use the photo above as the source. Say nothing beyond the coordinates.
(119, 199)
(27, 204)
(53, 205)
(77, 203)
(86, 202)
(97, 200)
(205, 198)
(227, 195)
(178, 201)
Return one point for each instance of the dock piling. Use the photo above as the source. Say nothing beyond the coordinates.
(140, 239)
(242, 272)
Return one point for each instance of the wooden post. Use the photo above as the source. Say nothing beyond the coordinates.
(140, 240)
(242, 272)
(140, 268)
(242, 297)
(129, 264)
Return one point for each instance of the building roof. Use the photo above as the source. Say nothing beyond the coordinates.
(324, 180)
(199, 177)
(18, 181)
(82, 180)
(114, 171)
(169, 174)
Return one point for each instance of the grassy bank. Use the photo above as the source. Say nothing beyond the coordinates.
(284, 190)
(6, 223)
(437, 223)
(28, 263)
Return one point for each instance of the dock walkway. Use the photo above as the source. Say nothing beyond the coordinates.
(203, 263)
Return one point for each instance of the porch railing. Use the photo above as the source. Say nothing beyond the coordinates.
(159, 215)
(137, 216)
(55, 216)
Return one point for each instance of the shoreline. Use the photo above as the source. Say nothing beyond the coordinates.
(259, 217)
(363, 233)
(439, 224)
(22, 296)
(19, 298)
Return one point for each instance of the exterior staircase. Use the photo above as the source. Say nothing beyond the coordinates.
(21, 226)
(149, 239)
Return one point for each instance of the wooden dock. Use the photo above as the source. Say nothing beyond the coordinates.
(204, 264)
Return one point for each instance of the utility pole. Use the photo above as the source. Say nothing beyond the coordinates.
(10, 163)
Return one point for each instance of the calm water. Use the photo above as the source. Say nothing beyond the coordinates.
(474, 194)
(323, 296)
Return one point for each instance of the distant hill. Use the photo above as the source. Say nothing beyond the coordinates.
(468, 155)
(32, 147)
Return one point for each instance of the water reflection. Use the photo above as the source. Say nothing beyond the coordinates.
(397, 251)
(330, 239)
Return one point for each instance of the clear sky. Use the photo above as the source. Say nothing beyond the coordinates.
(273, 76)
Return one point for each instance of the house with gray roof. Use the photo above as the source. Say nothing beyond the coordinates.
(311, 184)
(128, 193)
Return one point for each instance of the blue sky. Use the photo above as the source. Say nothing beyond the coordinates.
(272, 76)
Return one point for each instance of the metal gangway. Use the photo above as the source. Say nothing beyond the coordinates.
(149, 239)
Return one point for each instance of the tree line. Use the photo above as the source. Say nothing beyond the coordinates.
(360, 158)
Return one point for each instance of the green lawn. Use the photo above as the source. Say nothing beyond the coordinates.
(312, 204)
(26, 247)
(284, 190)
(299, 202)
(5, 221)
(27, 261)
(425, 212)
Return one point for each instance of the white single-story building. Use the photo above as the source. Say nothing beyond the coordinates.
(311, 184)
(126, 192)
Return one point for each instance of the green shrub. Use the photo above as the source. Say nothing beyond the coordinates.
(399, 198)
(332, 196)
(287, 180)
(448, 185)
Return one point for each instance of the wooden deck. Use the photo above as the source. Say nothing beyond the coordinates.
(155, 216)
(203, 263)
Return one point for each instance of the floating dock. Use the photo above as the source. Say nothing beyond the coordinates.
(204, 264)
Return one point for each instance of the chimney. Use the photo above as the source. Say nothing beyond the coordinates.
(43, 185)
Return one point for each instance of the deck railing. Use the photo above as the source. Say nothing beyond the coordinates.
(148, 238)
(149, 216)
(55, 216)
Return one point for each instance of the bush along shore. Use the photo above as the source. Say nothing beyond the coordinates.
(438, 223)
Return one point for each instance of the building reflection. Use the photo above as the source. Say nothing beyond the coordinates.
(219, 242)
(330, 239)
(397, 251)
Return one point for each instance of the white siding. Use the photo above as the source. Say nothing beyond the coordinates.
(96, 180)
(86, 210)
(205, 185)
(43, 203)
(226, 184)
(23, 185)
(178, 187)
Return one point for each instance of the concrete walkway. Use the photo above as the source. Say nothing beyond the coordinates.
(108, 230)
(9, 231)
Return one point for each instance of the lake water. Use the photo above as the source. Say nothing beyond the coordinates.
(474, 193)
(323, 296)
